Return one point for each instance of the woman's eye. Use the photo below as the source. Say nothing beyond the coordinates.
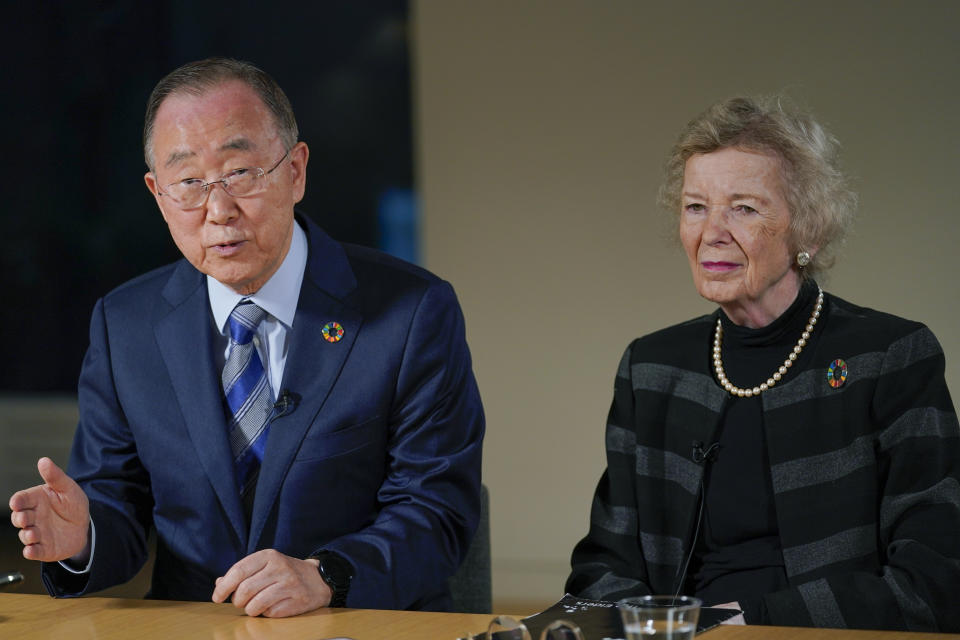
(694, 207)
(744, 208)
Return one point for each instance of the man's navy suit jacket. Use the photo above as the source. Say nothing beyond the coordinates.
(379, 460)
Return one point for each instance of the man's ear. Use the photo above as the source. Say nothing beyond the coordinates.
(151, 180)
(299, 155)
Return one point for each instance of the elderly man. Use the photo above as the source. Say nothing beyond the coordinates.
(296, 418)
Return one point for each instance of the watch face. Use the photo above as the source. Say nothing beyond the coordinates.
(336, 568)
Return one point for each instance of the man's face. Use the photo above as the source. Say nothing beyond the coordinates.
(239, 241)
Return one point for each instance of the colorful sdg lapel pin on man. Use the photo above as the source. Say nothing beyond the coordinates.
(332, 332)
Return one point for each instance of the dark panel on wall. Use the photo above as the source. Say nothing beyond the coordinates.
(76, 217)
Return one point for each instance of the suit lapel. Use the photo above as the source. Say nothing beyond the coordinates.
(185, 340)
(312, 366)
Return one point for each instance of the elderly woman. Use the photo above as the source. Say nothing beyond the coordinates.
(793, 454)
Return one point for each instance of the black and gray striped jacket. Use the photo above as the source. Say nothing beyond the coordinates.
(866, 477)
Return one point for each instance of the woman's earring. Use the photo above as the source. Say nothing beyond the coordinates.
(803, 259)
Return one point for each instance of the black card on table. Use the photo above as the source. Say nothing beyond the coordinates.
(600, 619)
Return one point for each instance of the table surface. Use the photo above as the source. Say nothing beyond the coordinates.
(37, 617)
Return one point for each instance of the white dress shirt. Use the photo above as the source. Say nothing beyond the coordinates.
(278, 297)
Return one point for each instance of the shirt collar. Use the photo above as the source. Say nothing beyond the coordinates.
(278, 296)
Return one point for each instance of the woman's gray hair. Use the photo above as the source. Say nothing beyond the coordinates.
(822, 206)
(196, 78)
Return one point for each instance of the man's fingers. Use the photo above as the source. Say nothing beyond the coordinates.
(256, 603)
(52, 518)
(226, 585)
(25, 499)
(282, 609)
(221, 591)
(39, 552)
(53, 475)
(29, 535)
(270, 603)
(239, 572)
(269, 583)
(22, 519)
(253, 593)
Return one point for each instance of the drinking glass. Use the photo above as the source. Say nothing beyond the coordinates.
(659, 617)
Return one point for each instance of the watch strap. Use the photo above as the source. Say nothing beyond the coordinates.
(337, 572)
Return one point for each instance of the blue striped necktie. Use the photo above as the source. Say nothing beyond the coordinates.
(247, 393)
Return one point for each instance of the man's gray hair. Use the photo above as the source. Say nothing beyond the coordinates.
(196, 78)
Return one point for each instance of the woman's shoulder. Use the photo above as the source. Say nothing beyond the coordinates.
(880, 325)
(854, 329)
(675, 344)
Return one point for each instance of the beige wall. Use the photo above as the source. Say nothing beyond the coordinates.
(542, 127)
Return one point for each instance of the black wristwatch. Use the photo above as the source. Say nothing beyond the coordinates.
(337, 572)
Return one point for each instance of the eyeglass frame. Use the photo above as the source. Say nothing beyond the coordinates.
(223, 182)
(509, 628)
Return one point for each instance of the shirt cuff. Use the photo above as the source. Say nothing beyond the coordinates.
(70, 564)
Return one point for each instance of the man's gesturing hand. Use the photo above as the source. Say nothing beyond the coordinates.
(271, 584)
(53, 518)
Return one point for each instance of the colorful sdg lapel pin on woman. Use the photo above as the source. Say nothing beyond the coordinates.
(837, 373)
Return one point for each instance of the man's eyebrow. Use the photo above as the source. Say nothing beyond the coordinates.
(177, 156)
(238, 144)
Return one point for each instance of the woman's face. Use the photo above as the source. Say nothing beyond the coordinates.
(734, 226)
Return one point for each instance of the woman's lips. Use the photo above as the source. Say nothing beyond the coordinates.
(719, 266)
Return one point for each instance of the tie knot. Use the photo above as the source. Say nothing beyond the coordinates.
(244, 320)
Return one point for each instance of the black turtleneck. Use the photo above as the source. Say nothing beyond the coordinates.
(738, 556)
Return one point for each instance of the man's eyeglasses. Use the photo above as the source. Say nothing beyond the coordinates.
(192, 192)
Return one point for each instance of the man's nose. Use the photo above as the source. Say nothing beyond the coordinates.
(221, 206)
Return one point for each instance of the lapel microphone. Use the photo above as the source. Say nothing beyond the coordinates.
(286, 402)
(701, 455)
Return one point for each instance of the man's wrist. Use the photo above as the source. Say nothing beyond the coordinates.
(337, 572)
(80, 563)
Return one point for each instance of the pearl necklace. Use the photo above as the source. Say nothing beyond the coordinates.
(779, 373)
